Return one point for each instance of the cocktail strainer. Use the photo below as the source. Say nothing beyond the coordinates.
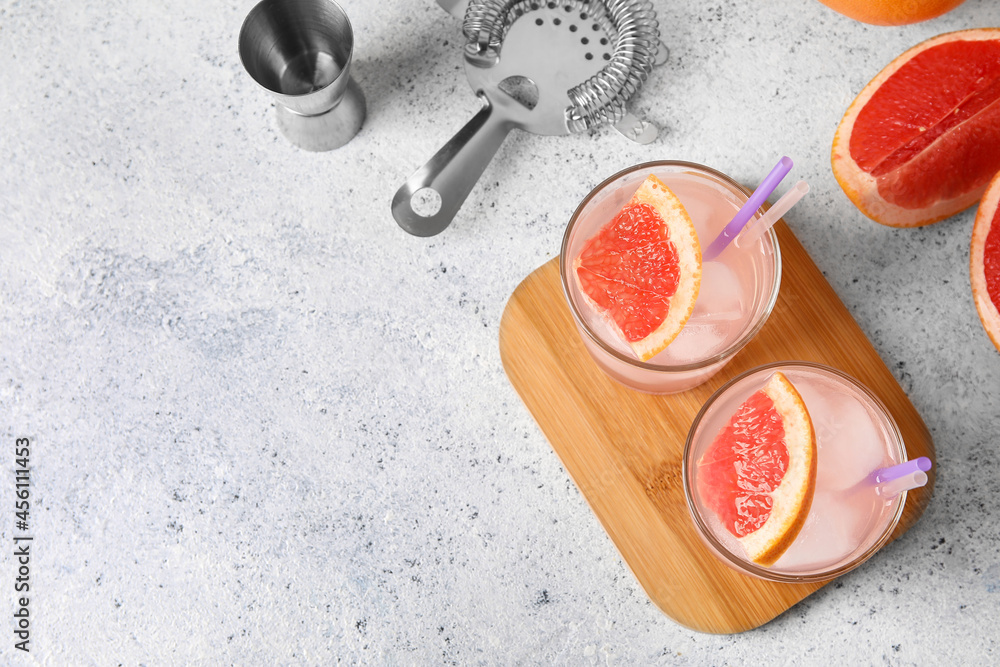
(549, 68)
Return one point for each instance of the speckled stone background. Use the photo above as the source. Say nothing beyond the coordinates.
(269, 427)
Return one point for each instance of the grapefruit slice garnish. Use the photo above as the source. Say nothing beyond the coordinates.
(922, 139)
(642, 270)
(984, 261)
(759, 474)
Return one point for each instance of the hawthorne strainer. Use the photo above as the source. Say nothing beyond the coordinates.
(549, 68)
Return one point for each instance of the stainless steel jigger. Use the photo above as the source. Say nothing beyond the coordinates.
(300, 52)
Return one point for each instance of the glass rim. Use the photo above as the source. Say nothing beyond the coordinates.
(767, 573)
(719, 357)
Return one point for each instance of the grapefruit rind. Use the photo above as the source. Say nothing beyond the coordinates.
(987, 310)
(682, 234)
(860, 186)
(793, 497)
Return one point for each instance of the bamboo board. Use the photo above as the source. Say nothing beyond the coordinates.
(623, 448)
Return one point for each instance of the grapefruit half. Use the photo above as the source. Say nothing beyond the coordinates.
(642, 270)
(984, 261)
(759, 474)
(922, 139)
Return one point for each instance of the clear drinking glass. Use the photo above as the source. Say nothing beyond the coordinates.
(738, 290)
(851, 516)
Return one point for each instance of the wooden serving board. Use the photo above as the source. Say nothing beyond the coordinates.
(623, 448)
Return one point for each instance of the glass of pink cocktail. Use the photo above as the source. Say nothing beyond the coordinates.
(852, 511)
(737, 292)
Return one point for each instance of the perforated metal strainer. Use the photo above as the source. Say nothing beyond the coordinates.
(548, 68)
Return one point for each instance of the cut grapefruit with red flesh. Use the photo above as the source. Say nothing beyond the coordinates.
(759, 474)
(922, 139)
(642, 270)
(984, 261)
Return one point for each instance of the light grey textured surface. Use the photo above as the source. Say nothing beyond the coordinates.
(269, 427)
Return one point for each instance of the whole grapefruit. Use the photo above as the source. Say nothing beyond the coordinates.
(922, 139)
(892, 12)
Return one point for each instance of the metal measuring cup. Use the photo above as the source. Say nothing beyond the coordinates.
(300, 52)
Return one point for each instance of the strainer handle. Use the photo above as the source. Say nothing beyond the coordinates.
(451, 173)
